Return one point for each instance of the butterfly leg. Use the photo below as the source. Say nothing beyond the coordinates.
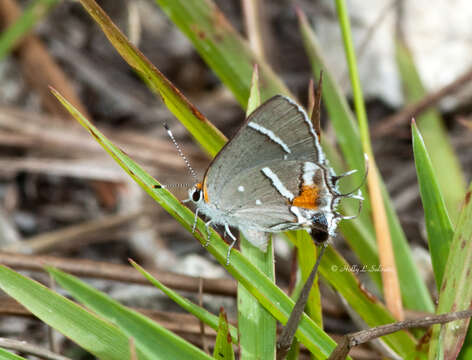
(232, 244)
(207, 225)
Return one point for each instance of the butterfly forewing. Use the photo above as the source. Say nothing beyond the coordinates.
(278, 130)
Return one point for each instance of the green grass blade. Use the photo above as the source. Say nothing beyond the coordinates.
(223, 345)
(258, 284)
(35, 11)
(200, 313)
(359, 105)
(222, 48)
(466, 351)
(98, 337)
(257, 327)
(445, 163)
(204, 132)
(456, 288)
(359, 233)
(294, 352)
(153, 340)
(6, 355)
(438, 224)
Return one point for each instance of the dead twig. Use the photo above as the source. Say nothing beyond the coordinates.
(104, 270)
(52, 239)
(361, 337)
(103, 171)
(26, 129)
(26, 348)
(413, 110)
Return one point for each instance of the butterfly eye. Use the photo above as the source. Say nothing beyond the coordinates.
(196, 196)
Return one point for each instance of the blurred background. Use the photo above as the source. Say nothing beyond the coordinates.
(64, 201)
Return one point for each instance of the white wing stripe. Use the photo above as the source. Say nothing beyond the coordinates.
(321, 155)
(309, 170)
(277, 183)
(270, 134)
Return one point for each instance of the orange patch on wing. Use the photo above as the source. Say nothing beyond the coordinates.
(307, 198)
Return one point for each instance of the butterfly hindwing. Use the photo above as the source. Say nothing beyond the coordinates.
(269, 191)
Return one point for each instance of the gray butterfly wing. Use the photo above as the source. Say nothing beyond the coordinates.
(277, 130)
(253, 199)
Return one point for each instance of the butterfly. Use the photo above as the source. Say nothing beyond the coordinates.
(272, 176)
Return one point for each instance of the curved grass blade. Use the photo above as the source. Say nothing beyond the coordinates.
(445, 163)
(97, 336)
(456, 288)
(223, 346)
(222, 48)
(6, 355)
(359, 233)
(259, 285)
(150, 338)
(257, 327)
(204, 132)
(200, 313)
(35, 11)
(438, 224)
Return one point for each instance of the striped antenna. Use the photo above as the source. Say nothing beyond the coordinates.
(164, 186)
(182, 155)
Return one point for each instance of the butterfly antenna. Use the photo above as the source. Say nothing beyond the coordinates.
(172, 186)
(181, 153)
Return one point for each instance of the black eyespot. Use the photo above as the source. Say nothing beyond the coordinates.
(196, 195)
